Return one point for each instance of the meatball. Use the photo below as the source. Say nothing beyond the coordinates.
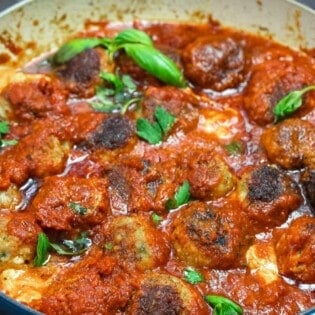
(137, 242)
(209, 176)
(207, 236)
(36, 155)
(11, 198)
(37, 99)
(91, 286)
(214, 62)
(290, 144)
(269, 196)
(270, 82)
(63, 203)
(165, 294)
(308, 182)
(114, 132)
(295, 250)
(179, 103)
(18, 238)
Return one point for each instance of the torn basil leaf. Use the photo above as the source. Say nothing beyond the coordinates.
(181, 197)
(42, 247)
(290, 103)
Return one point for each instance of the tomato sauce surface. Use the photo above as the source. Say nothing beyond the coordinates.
(88, 180)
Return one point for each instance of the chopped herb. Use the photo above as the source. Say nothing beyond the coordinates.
(77, 208)
(108, 246)
(137, 45)
(68, 247)
(192, 276)
(149, 132)
(223, 306)
(234, 148)
(290, 103)
(119, 96)
(181, 197)
(153, 132)
(4, 129)
(73, 247)
(42, 247)
(164, 119)
(156, 218)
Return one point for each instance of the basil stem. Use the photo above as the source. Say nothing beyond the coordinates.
(155, 63)
(73, 48)
(290, 103)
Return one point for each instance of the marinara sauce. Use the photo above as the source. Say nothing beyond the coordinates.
(221, 204)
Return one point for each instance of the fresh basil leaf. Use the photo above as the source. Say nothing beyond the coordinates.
(73, 247)
(77, 208)
(42, 247)
(234, 148)
(192, 276)
(73, 48)
(164, 119)
(181, 197)
(290, 103)
(223, 305)
(4, 127)
(149, 132)
(5, 143)
(156, 218)
(133, 36)
(155, 63)
(113, 79)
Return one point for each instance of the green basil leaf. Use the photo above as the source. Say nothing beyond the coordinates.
(113, 79)
(156, 218)
(133, 36)
(4, 127)
(192, 276)
(223, 305)
(155, 63)
(109, 246)
(181, 197)
(149, 132)
(164, 119)
(290, 103)
(73, 48)
(73, 247)
(77, 208)
(234, 148)
(41, 257)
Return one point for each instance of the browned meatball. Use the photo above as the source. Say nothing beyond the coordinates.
(295, 250)
(63, 203)
(209, 176)
(136, 242)
(114, 132)
(214, 62)
(164, 294)
(269, 196)
(290, 144)
(206, 236)
(269, 83)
